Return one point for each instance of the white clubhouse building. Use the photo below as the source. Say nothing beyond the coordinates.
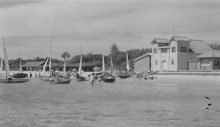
(179, 53)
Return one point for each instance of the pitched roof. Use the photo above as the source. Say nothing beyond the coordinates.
(141, 57)
(199, 46)
(160, 40)
(179, 38)
(33, 64)
(210, 54)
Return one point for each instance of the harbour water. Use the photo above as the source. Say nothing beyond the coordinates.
(163, 102)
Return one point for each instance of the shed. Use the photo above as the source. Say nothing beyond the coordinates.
(142, 63)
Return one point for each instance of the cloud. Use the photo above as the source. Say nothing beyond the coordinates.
(10, 3)
(99, 23)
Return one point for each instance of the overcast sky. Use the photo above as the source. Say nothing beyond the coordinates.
(30, 25)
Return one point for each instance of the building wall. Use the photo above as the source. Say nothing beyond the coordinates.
(206, 63)
(173, 56)
(155, 57)
(142, 64)
(183, 60)
(164, 59)
(180, 59)
(216, 67)
(192, 65)
(183, 44)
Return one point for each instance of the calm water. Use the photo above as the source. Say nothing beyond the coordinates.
(125, 103)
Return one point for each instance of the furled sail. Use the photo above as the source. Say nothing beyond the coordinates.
(127, 66)
(80, 62)
(103, 62)
(45, 64)
(6, 60)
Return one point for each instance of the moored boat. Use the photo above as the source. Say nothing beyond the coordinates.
(62, 81)
(108, 79)
(20, 75)
(8, 78)
(14, 80)
(106, 76)
(128, 73)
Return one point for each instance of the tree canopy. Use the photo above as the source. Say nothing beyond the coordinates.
(65, 54)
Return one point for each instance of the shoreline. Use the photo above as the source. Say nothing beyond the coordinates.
(159, 75)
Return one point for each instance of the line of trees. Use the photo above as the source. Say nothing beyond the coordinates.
(118, 57)
(215, 46)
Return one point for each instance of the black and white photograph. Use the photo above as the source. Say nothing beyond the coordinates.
(109, 63)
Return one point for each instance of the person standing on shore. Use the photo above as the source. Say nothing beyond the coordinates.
(30, 74)
(99, 78)
(92, 79)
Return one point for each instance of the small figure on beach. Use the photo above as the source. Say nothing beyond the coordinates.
(92, 79)
(99, 78)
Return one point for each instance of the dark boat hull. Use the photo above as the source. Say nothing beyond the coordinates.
(81, 78)
(20, 75)
(13, 80)
(63, 81)
(108, 79)
(124, 76)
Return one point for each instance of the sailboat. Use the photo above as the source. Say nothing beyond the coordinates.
(128, 72)
(8, 78)
(58, 79)
(54, 80)
(79, 75)
(20, 74)
(107, 77)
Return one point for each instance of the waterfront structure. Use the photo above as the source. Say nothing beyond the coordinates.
(180, 53)
(176, 53)
(209, 60)
(142, 63)
(31, 66)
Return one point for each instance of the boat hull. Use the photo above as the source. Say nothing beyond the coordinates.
(108, 79)
(20, 75)
(63, 81)
(13, 80)
(124, 76)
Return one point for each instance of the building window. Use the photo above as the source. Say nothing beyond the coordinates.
(216, 63)
(173, 49)
(155, 62)
(163, 50)
(172, 62)
(155, 51)
(182, 49)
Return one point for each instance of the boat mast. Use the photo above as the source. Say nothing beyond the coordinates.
(64, 66)
(20, 65)
(111, 64)
(50, 63)
(1, 65)
(103, 62)
(80, 62)
(5, 60)
(127, 66)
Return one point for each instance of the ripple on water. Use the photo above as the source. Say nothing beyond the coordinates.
(89, 119)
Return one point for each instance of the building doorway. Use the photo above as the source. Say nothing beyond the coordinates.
(164, 65)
